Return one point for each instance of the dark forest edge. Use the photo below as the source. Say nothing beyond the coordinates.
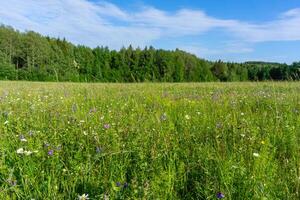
(33, 57)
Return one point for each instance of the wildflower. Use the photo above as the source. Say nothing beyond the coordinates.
(220, 195)
(106, 126)
(242, 114)
(263, 142)
(163, 117)
(12, 182)
(22, 138)
(28, 153)
(118, 184)
(256, 155)
(20, 151)
(93, 110)
(50, 152)
(125, 185)
(219, 125)
(83, 197)
(99, 149)
(187, 117)
(30, 133)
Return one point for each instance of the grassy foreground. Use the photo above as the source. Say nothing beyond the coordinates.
(149, 141)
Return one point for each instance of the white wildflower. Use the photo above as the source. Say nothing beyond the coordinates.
(83, 197)
(187, 117)
(256, 155)
(20, 151)
(27, 153)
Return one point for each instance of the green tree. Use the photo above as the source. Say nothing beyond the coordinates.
(220, 70)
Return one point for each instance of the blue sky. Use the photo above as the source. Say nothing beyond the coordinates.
(231, 30)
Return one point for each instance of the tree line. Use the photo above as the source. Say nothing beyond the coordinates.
(31, 56)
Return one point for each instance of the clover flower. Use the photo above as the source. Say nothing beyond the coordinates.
(106, 126)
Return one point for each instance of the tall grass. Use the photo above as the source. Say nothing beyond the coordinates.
(149, 141)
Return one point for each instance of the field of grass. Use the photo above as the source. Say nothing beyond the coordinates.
(149, 141)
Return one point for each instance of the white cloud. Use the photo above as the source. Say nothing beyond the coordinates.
(103, 23)
(226, 48)
(80, 21)
(285, 28)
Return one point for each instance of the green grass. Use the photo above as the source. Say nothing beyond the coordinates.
(166, 141)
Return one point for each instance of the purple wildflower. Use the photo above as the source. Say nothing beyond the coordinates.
(220, 195)
(106, 126)
(118, 184)
(125, 185)
(50, 152)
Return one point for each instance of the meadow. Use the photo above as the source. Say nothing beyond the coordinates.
(149, 141)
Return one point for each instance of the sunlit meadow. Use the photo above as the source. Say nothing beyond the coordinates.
(149, 141)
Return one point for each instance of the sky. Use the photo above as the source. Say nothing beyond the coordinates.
(230, 30)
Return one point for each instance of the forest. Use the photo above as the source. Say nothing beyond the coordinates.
(33, 57)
